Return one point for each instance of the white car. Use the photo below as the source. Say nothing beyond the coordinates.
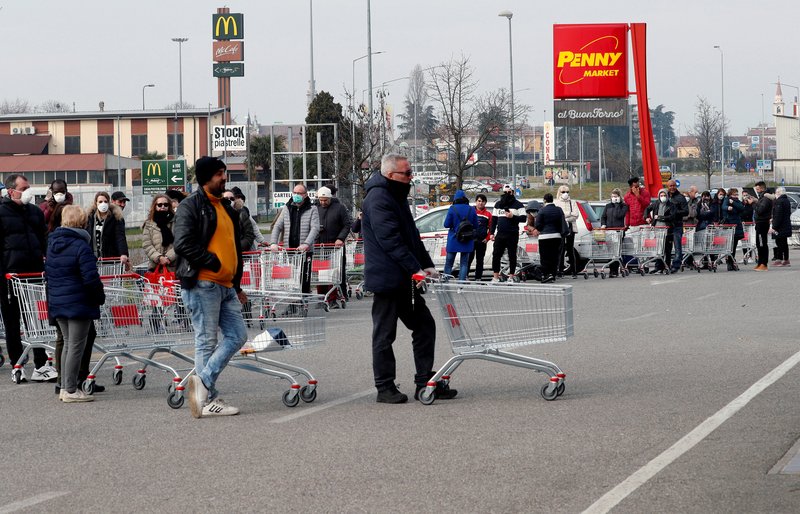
(473, 186)
(418, 205)
(431, 224)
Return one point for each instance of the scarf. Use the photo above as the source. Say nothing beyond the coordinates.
(162, 220)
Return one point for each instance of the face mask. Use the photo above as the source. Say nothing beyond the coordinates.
(615, 199)
(26, 196)
(59, 197)
(297, 198)
(721, 197)
(103, 207)
(663, 199)
(565, 196)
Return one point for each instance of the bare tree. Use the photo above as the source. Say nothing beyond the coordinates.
(53, 106)
(707, 129)
(358, 146)
(16, 106)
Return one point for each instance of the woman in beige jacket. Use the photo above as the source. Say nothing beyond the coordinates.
(157, 237)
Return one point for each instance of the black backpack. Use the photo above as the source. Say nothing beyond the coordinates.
(465, 231)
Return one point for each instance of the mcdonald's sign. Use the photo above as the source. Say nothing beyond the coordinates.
(159, 175)
(227, 26)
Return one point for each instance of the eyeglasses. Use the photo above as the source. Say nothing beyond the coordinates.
(407, 173)
(162, 205)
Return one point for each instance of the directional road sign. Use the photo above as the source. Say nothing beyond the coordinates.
(158, 176)
(228, 69)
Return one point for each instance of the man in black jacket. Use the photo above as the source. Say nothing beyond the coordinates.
(762, 212)
(508, 214)
(207, 242)
(23, 243)
(393, 253)
(680, 208)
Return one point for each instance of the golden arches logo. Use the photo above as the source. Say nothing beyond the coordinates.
(226, 22)
(581, 59)
(153, 169)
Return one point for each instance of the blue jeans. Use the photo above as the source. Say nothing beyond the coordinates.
(211, 307)
(450, 259)
(677, 236)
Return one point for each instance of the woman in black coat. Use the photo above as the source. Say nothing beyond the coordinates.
(106, 228)
(781, 227)
(550, 226)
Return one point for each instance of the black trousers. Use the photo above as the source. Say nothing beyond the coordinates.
(9, 307)
(762, 233)
(568, 251)
(478, 253)
(86, 360)
(505, 241)
(782, 248)
(732, 257)
(387, 308)
(549, 253)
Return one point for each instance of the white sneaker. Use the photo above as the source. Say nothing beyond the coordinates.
(495, 280)
(218, 408)
(44, 374)
(22, 378)
(77, 397)
(197, 397)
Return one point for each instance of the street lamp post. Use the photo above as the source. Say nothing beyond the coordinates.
(722, 130)
(144, 86)
(508, 14)
(180, 41)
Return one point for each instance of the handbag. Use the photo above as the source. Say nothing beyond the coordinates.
(162, 285)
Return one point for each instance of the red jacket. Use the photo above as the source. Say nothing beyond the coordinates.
(485, 218)
(636, 207)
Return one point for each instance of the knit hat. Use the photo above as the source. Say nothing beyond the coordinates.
(206, 167)
(237, 193)
(323, 192)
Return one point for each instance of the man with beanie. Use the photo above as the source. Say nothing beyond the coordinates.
(334, 225)
(209, 266)
(507, 215)
(393, 253)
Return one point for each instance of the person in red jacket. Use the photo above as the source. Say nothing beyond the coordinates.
(637, 199)
(482, 235)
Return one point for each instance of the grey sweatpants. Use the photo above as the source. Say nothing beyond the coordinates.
(75, 332)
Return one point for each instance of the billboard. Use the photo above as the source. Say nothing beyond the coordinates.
(586, 113)
(226, 26)
(228, 138)
(590, 61)
(227, 51)
(160, 175)
(549, 143)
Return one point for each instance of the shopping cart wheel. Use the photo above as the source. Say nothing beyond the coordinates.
(359, 295)
(560, 389)
(596, 273)
(288, 400)
(586, 276)
(547, 394)
(426, 398)
(17, 377)
(117, 376)
(603, 275)
(326, 307)
(342, 304)
(139, 381)
(88, 387)
(306, 395)
(175, 399)
(2, 359)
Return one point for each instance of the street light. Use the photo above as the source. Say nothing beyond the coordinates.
(180, 41)
(722, 131)
(509, 15)
(144, 86)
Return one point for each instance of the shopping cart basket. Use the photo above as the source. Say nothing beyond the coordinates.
(354, 267)
(292, 326)
(603, 247)
(646, 247)
(715, 245)
(36, 331)
(107, 266)
(483, 320)
(326, 272)
(283, 270)
(436, 247)
(688, 245)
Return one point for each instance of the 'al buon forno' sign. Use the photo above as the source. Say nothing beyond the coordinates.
(590, 61)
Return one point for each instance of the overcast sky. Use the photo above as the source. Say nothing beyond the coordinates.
(87, 51)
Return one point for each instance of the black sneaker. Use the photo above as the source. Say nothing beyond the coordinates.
(391, 395)
(442, 391)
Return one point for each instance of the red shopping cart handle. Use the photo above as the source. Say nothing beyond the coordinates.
(419, 277)
(9, 276)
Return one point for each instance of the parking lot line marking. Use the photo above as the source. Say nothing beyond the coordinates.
(613, 497)
(754, 282)
(649, 314)
(669, 281)
(709, 295)
(29, 502)
(314, 410)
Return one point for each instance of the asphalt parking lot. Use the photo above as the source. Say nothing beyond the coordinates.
(681, 395)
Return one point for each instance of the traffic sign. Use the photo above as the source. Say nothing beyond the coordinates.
(735, 145)
(228, 69)
(677, 183)
(160, 175)
(747, 165)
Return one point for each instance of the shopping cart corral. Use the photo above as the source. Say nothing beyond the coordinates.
(36, 330)
(483, 320)
(294, 325)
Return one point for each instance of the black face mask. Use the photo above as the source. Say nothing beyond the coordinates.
(161, 217)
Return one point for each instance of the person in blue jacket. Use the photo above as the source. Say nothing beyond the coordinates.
(458, 212)
(74, 294)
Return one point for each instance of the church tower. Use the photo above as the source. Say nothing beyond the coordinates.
(778, 107)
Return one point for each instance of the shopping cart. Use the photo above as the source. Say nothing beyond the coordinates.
(646, 246)
(108, 266)
(715, 245)
(436, 247)
(603, 247)
(290, 327)
(748, 242)
(283, 269)
(528, 258)
(139, 320)
(688, 246)
(326, 272)
(483, 320)
(36, 330)
(354, 267)
(254, 270)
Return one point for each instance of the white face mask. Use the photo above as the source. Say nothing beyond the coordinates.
(663, 199)
(102, 207)
(565, 196)
(615, 199)
(26, 196)
(59, 197)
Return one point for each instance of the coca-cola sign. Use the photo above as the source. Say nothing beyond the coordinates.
(577, 113)
(228, 51)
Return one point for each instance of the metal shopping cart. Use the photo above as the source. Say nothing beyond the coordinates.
(715, 245)
(437, 249)
(3, 337)
(326, 272)
(603, 247)
(646, 247)
(107, 266)
(688, 246)
(283, 270)
(31, 296)
(139, 320)
(748, 242)
(354, 268)
(528, 258)
(292, 326)
(483, 320)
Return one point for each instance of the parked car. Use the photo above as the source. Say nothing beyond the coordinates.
(495, 184)
(418, 205)
(473, 186)
(795, 221)
(432, 224)
(599, 206)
